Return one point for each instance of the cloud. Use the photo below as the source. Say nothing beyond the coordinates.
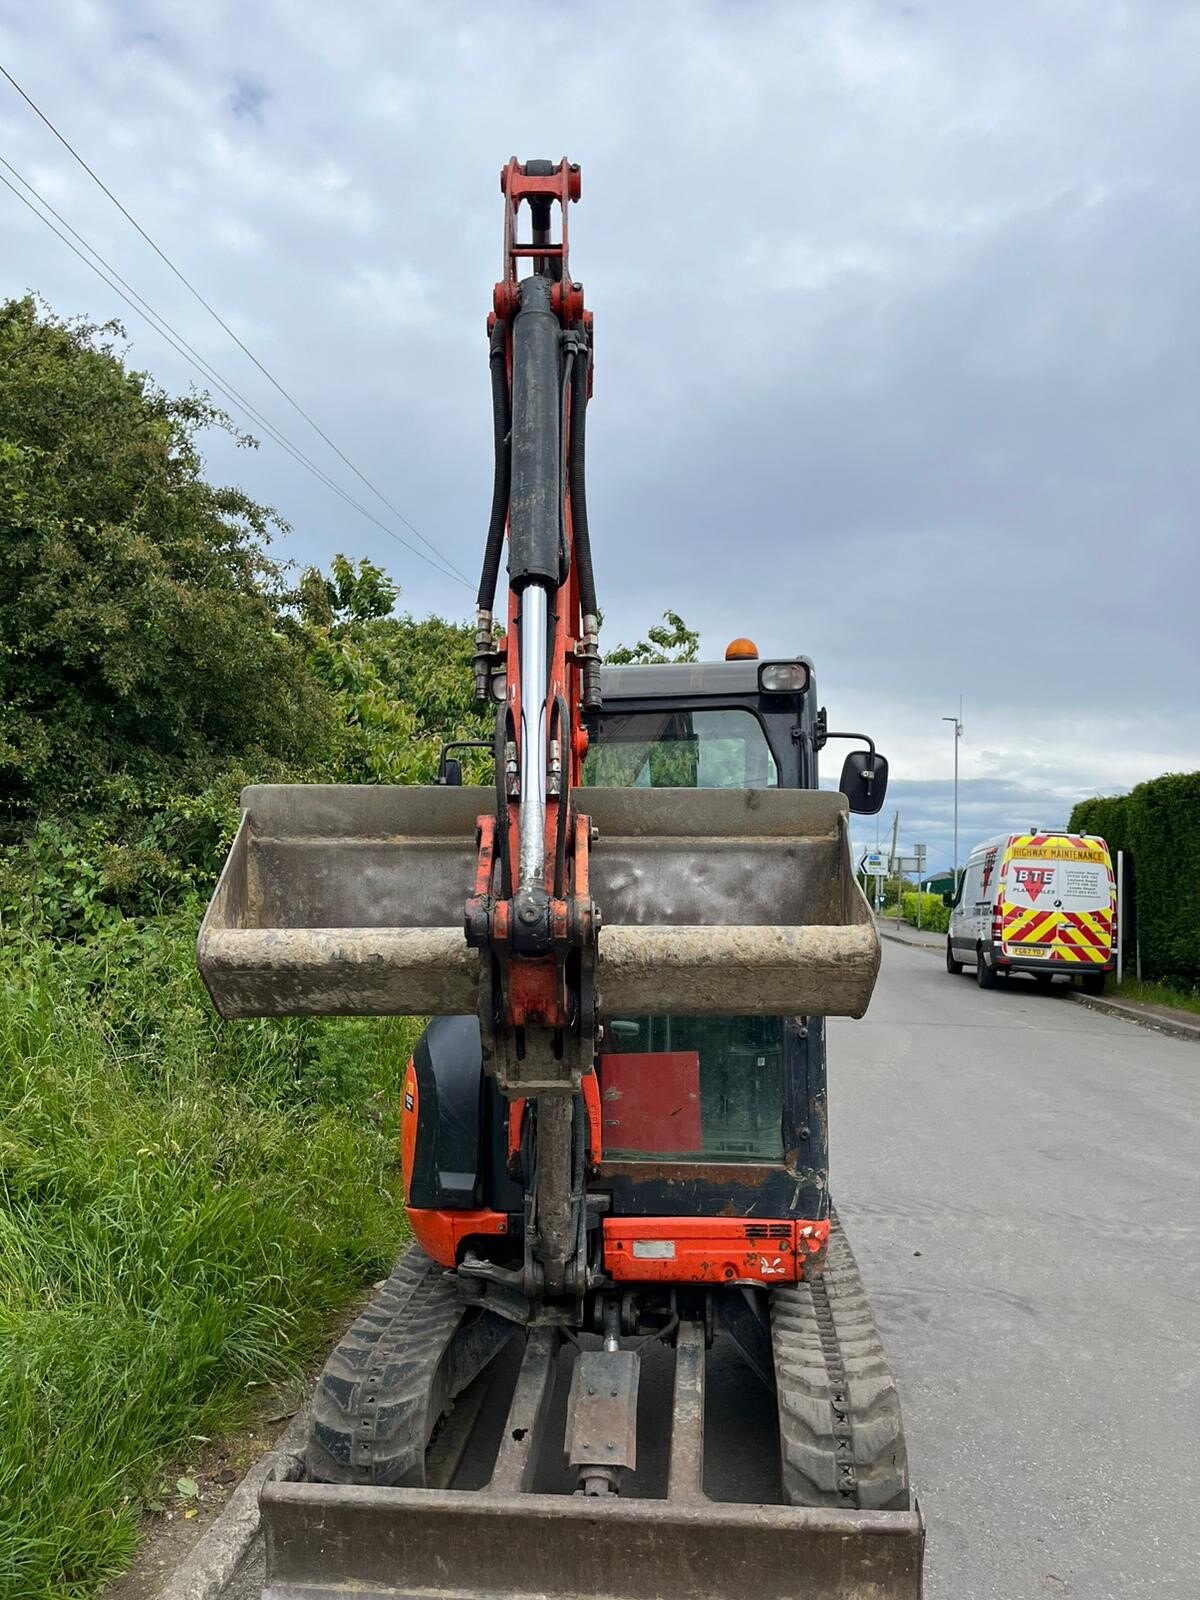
(248, 99)
(985, 807)
(897, 357)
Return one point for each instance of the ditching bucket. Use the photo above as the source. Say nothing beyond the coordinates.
(343, 900)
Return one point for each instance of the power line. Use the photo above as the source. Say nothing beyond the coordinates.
(232, 395)
(181, 346)
(165, 327)
(212, 311)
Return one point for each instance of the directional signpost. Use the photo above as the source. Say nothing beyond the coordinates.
(873, 864)
(876, 864)
(914, 864)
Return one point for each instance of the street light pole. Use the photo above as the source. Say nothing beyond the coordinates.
(958, 728)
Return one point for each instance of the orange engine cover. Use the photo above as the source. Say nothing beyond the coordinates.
(710, 1249)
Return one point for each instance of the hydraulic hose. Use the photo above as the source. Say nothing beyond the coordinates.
(501, 482)
(577, 487)
(502, 478)
(576, 481)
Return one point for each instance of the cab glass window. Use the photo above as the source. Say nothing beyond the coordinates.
(692, 1088)
(675, 749)
(688, 1088)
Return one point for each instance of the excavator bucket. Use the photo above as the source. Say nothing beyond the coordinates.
(331, 1542)
(349, 900)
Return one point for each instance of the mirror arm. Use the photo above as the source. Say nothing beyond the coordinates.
(459, 744)
(868, 741)
(865, 737)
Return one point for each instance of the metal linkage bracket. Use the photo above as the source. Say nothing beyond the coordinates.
(601, 1439)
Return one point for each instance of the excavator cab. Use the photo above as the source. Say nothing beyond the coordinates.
(713, 1115)
(613, 1133)
(684, 1095)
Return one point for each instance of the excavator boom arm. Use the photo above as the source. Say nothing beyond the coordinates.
(531, 915)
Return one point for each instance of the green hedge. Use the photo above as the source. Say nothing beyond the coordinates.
(1158, 826)
(934, 915)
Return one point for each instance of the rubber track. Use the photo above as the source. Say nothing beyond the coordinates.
(840, 1434)
(395, 1371)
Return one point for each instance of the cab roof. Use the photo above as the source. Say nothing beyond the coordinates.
(685, 678)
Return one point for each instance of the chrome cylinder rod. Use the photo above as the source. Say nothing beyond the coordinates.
(534, 645)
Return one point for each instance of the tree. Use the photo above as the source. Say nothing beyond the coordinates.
(348, 594)
(402, 687)
(145, 634)
(668, 640)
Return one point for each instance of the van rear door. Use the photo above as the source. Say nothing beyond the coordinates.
(1058, 900)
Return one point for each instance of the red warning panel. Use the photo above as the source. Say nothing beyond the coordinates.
(650, 1104)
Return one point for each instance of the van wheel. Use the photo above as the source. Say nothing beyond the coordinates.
(1093, 982)
(985, 976)
(952, 967)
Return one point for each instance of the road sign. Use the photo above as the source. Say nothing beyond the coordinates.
(910, 863)
(873, 864)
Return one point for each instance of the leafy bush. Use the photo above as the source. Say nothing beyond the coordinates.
(934, 915)
(892, 887)
(401, 688)
(146, 634)
(1158, 826)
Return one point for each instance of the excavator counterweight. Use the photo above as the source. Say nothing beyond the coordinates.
(614, 1126)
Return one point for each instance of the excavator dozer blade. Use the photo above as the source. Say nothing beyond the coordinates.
(349, 900)
(511, 1540)
(333, 1542)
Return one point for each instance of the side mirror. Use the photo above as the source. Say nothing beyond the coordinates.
(450, 772)
(864, 781)
(948, 901)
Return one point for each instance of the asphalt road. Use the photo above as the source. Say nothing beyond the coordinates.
(1018, 1176)
(1019, 1179)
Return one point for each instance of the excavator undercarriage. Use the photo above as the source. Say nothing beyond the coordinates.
(613, 1130)
(845, 1529)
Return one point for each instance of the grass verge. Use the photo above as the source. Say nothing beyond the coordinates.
(183, 1205)
(1155, 994)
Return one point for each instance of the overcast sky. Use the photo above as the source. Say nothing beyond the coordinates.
(896, 323)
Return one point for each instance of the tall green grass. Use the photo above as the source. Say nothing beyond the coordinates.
(183, 1203)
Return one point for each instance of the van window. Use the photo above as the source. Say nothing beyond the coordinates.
(972, 888)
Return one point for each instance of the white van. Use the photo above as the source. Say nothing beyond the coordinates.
(1043, 903)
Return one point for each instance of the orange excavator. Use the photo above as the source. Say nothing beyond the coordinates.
(614, 1127)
